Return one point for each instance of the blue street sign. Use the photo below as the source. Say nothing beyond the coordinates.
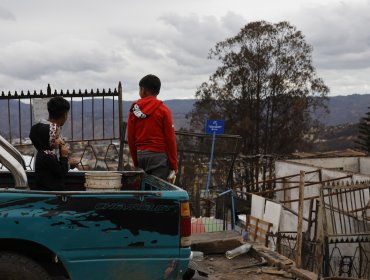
(215, 127)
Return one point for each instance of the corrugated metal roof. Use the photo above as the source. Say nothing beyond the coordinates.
(342, 153)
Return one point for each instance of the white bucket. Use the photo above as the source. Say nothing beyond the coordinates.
(103, 181)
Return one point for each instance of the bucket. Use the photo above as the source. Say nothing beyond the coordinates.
(103, 181)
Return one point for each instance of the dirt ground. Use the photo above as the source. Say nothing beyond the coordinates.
(246, 266)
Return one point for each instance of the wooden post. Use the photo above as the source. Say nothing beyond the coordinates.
(298, 253)
(287, 193)
(321, 233)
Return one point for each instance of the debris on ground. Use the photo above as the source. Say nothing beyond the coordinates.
(256, 263)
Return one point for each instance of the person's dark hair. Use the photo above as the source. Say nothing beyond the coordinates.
(40, 136)
(151, 83)
(57, 106)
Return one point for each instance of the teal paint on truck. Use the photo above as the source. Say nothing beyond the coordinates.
(127, 234)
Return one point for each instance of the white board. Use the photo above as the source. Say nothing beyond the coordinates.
(40, 109)
(272, 214)
(258, 206)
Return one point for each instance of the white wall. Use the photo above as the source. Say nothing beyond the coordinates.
(339, 163)
(291, 167)
(364, 165)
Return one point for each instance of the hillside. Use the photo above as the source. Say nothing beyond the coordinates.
(347, 109)
(343, 110)
(340, 125)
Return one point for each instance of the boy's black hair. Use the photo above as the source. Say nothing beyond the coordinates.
(57, 106)
(39, 135)
(151, 83)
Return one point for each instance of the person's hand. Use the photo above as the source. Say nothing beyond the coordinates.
(73, 162)
(172, 176)
(63, 150)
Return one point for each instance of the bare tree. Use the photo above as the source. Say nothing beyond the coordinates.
(363, 137)
(265, 88)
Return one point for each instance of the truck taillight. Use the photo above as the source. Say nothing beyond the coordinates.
(185, 225)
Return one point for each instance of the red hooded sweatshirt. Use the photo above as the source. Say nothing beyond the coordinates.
(150, 128)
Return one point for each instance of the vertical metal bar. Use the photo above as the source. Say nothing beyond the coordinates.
(233, 210)
(360, 260)
(309, 226)
(19, 121)
(332, 218)
(349, 218)
(365, 216)
(210, 163)
(197, 189)
(232, 205)
(103, 103)
(71, 113)
(362, 205)
(340, 212)
(31, 112)
(230, 179)
(82, 117)
(298, 253)
(10, 126)
(121, 144)
(179, 177)
(353, 193)
(326, 262)
(316, 219)
(113, 118)
(93, 117)
(120, 109)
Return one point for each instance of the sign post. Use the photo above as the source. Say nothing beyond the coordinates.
(213, 127)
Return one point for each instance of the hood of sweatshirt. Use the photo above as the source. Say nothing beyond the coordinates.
(44, 136)
(143, 107)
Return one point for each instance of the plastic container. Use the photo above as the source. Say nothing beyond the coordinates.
(238, 251)
(197, 255)
(103, 181)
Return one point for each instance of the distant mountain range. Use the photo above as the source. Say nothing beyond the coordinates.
(347, 109)
(343, 110)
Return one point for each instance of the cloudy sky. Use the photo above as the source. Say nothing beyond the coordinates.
(79, 44)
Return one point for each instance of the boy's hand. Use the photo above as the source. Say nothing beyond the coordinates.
(172, 176)
(63, 150)
(73, 162)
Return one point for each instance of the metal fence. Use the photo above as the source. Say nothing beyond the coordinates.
(337, 241)
(95, 132)
(212, 210)
(346, 230)
(94, 129)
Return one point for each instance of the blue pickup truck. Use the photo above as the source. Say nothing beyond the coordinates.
(140, 232)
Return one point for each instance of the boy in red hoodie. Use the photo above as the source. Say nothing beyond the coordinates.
(151, 134)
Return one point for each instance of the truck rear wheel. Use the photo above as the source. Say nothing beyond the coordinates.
(17, 267)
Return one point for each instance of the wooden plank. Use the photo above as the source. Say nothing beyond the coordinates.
(258, 229)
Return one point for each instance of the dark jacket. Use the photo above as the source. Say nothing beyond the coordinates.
(49, 170)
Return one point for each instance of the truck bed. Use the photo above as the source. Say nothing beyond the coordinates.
(75, 181)
(134, 233)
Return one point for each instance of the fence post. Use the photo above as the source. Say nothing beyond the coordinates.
(298, 253)
(196, 191)
(120, 110)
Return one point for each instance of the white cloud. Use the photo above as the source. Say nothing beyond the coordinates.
(95, 44)
(6, 15)
(31, 60)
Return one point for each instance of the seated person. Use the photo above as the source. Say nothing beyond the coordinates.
(50, 170)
